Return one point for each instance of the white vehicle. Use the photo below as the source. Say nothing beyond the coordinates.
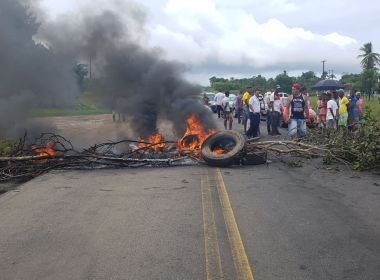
(283, 98)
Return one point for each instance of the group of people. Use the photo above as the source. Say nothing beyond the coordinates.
(247, 106)
(336, 110)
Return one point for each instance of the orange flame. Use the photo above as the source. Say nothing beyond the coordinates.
(194, 135)
(219, 151)
(48, 150)
(154, 143)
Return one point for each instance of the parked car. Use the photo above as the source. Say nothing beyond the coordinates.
(212, 103)
(283, 98)
(209, 99)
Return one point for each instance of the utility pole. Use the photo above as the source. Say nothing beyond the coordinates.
(323, 69)
(90, 67)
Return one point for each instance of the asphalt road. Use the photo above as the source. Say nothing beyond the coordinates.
(169, 224)
(262, 222)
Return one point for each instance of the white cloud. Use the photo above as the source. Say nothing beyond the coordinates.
(201, 31)
(258, 36)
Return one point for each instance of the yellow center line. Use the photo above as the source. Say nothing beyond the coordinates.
(241, 263)
(213, 261)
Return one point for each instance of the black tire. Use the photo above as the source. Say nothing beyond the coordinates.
(227, 159)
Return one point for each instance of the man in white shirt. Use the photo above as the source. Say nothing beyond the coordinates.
(227, 110)
(218, 100)
(269, 109)
(254, 115)
(332, 112)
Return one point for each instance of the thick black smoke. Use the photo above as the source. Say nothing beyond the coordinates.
(31, 76)
(128, 76)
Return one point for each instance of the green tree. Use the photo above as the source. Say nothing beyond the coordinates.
(308, 79)
(369, 58)
(260, 82)
(285, 81)
(81, 71)
(369, 79)
(369, 76)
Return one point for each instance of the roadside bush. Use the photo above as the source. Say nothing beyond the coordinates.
(360, 148)
(7, 147)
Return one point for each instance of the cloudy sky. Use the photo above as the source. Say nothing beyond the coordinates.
(242, 38)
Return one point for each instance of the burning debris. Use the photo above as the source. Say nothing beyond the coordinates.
(52, 151)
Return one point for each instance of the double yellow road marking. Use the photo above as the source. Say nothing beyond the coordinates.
(213, 260)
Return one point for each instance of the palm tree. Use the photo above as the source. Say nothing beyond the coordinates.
(369, 58)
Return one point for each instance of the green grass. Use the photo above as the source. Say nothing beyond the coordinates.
(87, 104)
(373, 105)
(7, 147)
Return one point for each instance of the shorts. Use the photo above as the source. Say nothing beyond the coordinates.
(245, 113)
(343, 119)
(331, 123)
(297, 127)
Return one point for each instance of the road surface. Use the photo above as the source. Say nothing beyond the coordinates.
(263, 222)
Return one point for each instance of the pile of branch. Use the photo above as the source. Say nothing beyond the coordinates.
(30, 161)
(357, 147)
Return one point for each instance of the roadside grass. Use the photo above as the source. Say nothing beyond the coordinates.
(87, 104)
(373, 105)
(7, 147)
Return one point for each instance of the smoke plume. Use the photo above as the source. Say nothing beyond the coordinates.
(127, 76)
(31, 76)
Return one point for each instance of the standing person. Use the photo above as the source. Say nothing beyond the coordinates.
(254, 114)
(218, 100)
(352, 112)
(267, 101)
(332, 112)
(322, 106)
(359, 106)
(227, 111)
(275, 101)
(343, 110)
(245, 111)
(297, 107)
(335, 96)
(239, 106)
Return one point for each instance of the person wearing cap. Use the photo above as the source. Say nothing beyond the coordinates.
(343, 109)
(298, 108)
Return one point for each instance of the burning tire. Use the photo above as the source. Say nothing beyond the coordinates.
(221, 148)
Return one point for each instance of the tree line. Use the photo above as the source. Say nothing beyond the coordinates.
(368, 81)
